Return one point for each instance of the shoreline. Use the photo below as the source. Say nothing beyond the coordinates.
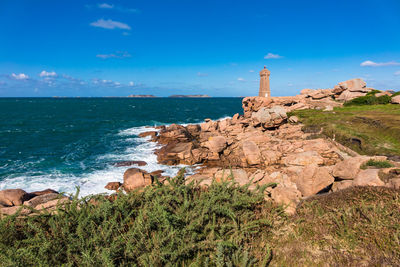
(264, 145)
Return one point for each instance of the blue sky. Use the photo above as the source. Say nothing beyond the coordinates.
(216, 47)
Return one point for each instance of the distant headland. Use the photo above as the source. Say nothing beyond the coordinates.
(141, 96)
(188, 96)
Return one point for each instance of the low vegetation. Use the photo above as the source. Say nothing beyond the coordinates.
(379, 164)
(369, 100)
(367, 129)
(222, 225)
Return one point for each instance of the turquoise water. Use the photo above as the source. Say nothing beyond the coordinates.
(62, 143)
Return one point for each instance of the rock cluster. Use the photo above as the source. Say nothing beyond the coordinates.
(264, 146)
(325, 99)
(13, 200)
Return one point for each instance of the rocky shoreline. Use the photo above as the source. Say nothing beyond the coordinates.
(264, 146)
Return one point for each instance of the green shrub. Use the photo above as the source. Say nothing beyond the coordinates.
(162, 225)
(373, 92)
(396, 94)
(368, 100)
(377, 163)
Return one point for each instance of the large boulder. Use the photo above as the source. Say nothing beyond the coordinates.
(353, 85)
(288, 196)
(269, 117)
(135, 178)
(41, 199)
(216, 143)
(369, 177)
(314, 179)
(175, 153)
(251, 152)
(395, 99)
(13, 197)
(349, 168)
(237, 175)
(253, 104)
(349, 95)
(303, 159)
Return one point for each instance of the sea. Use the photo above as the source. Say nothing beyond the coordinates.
(70, 143)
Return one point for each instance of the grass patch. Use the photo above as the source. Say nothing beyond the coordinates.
(379, 164)
(353, 227)
(369, 129)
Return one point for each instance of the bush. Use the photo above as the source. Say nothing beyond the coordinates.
(163, 224)
(368, 100)
(377, 163)
(396, 94)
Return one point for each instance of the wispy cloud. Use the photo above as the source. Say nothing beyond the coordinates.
(272, 56)
(131, 84)
(397, 73)
(200, 74)
(48, 74)
(240, 79)
(20, 76)
(251, 71)
(118, 54)
(117, 8)
(110, 24)
(369, 63)
(105, 5)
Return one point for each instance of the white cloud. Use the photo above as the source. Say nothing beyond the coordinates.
(397, 73)
(200, 74)
(118, 54)
(105, 5)
(251, 70)
(47, 74)
(20, 76)
(117, 8)
(370, 63)
(131, 84)
(272, 56)
(110, 24)
(240, 79)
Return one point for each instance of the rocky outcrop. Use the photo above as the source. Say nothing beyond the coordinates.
(13, 197)
(17, 200)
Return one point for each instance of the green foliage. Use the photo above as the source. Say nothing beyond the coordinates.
(369, 99)
(377, 163)
(373, 92)
(396, 94)
(162, 225)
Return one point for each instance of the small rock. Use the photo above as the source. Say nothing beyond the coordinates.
(130, 163)
(113, 186)
(293, 119)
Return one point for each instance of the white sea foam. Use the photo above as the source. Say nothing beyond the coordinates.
(93, 183)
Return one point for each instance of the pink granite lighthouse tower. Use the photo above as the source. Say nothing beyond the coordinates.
(265, 91)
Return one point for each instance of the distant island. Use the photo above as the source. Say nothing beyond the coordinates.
(141, 96)
(187, 96)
